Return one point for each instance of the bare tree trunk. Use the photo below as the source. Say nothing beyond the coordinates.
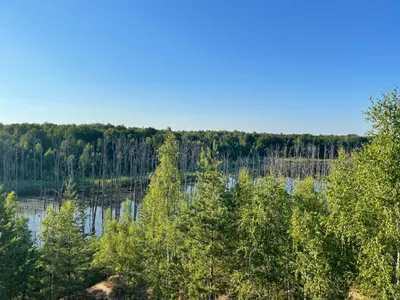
(41, 172)
(16, 170)
(95, 202)
(104, 175)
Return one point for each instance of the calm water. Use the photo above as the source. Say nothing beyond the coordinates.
(35, 210)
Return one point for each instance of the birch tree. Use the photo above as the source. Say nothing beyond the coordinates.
(158, 219)
(364, 196)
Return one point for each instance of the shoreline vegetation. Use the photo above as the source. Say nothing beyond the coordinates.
(255, 240)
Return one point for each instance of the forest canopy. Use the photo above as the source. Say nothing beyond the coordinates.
(237, 143)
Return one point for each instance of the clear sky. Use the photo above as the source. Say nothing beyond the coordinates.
(295, 66)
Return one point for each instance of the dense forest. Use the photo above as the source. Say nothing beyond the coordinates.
(38, 159)
(334, 238)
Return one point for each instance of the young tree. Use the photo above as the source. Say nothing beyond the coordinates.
(310, 247)
(264, 245)
(158, 219)
(341, 197)
(241, 278)
(17, 250)
(120, 250)
(367, 188)
(206, 233)
(105, 256)
(70, 192)
(66, 252)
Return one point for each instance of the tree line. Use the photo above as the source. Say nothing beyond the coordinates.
(38, 159)
(254, 240)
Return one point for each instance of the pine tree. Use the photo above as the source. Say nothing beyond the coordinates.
(207, 233)
(158, 223)
(70, 192)
(5, 241)
(241, 279)
(17, 250)
(66, 252)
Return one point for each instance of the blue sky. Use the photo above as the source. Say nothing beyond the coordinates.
(268, 66)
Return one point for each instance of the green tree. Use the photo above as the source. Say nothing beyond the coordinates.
(341, 197)
(17, 250)
(206, 233)
(310, 247)
(364, 196)
(242, 276)
(70, 192)
(66, 252)
(120, 248)
(158, 222)
(106, 255)
(264, 242)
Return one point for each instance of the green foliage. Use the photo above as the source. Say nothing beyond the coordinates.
(264, 245)
(252, 241)
(311, 262)
(376, 215)
(158, 222)
(70, 192)
(242, 284)
(236, 142)
(106, 255)
(364, 207)
(66, 252)
(17, 251)
(206, 232)
(120, 250)
(56, 152)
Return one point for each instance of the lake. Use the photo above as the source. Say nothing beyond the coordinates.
(35, 209)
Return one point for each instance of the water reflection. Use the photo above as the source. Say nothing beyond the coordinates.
(35, 210)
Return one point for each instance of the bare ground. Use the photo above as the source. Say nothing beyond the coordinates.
(102, 290)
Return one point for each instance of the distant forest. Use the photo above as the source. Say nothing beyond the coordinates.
(38, 159)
